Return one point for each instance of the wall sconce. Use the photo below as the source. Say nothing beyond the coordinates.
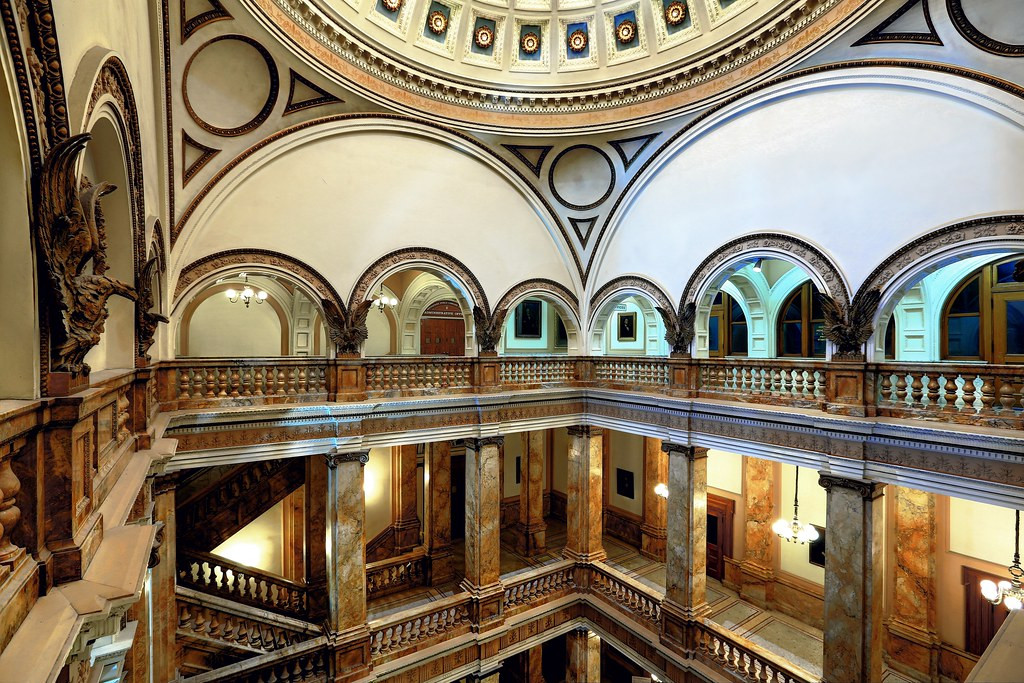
(661, 490)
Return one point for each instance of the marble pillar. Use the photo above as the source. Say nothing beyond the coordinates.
(531, 527)
(533, 664)
(407, 521)
(759, 541)
(583, 656)
(162, 582)
(853, 580)
(439, 512)
(914, 644)
(483, 529)
(347, 630)
(686, 555)
(653, 529)
(315, 514)
(584, 505)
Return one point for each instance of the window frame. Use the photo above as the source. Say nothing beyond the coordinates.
(989, 290)
(723, 311)
(806, 291)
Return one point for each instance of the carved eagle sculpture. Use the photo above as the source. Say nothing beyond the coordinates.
(347, 329)
(147, 319)
(679, 326)
(488, 328)
(70, 231)
(849, 327)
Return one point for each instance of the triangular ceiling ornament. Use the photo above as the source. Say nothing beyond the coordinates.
(911, 23)
(197, 13)
(531, 155)
(303, 94)
(583, 228)
(630, 149)
(194, 156)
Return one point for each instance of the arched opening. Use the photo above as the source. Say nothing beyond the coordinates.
(801, 325)
(250, 314)
(105, 162)
(728, 329)
(19, 329)
(431, 316)
(627, 324)
(983, 318)
(539, 323)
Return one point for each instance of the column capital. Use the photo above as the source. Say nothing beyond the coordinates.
(477, 443)
(333, 457)
(868, 490)
(583, 430)
(165, 483)
(691, 452)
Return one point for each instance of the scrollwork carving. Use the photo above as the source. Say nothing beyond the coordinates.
(70, 233)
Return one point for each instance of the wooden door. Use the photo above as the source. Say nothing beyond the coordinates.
(443, 330)
(719, 528)
(983, 618)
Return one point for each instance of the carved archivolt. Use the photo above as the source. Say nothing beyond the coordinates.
(539, 285)
(412, 256)
(803, 253)
(630, 282)
(197, 270)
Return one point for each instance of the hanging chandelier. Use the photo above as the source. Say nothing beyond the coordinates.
(794, 530)
(247, 295)
(383, 301)
(1009, 593)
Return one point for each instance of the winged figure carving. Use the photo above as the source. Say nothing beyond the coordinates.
(147, 320)
(848, 327)
(347, 329)
(71, 235)
(488, 328)
(679, 326)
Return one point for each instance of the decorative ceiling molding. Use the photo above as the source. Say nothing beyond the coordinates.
(316, 96)
(531, 155)
(553, 183)
(189, 170)
(539, 285)
(583, 227)
(626, 283)
(190, 25)
(975, 37)
(879, 35)
(630, 149)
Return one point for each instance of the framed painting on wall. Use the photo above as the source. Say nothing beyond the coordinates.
(627, 326)
(528, 320)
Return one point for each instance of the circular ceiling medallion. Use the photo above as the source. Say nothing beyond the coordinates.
(579, 180)
(675, 13)
(483, 37)
(992, 31)
(578, 41)
(437, 22)
(392, 5)
(230, 85)
(529, 43)
(625, 32)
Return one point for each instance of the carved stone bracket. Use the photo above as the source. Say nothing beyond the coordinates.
(866, 489)
(477, 444)
(691, 452)
(334, 458)
(583, 431)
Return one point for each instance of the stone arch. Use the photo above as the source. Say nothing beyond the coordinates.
(564, 301)
(754, 302)
(425, 290)
(192, 305)
(903, 270)
(448, 267)
(646, 293)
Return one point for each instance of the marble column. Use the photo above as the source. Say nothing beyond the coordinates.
(853, 580)
(585, 509)
(407, 521)
(347, 630)
(483, 529)
(583, 656)
(686, 555)
(533, 664)
(531, 527)
(162, 582)
(439, 512)
(315, 515)
(759, 541)
(914, 644)
(653, 530)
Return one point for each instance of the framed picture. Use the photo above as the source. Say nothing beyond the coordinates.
(816, 549)
(561, 335)
(528, 320)
(624, 482)
(627, 326)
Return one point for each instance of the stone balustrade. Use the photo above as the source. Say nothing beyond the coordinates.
(420, 627)
(396, 574)
(214, 575)
(306, 661)
(185, 383)
(538, 586)
(524, 372)
(639, 601)
(248, 632)
(767, 380)
(733, 654)
(417, 376)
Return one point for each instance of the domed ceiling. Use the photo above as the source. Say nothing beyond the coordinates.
(544, 57)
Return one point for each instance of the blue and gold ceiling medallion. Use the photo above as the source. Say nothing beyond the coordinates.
(675, 13)
(529, 43)
(483, 37)
(578, 41)
(437, 22)
(625, 32)
(392, 5)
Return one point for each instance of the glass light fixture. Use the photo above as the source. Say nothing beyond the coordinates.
(661, 490)
(383, 301)
(247, 295)
(794, 530)
(757, 265)
(1009, 593)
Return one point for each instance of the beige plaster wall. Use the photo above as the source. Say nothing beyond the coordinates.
(377, 489)
(259, 543)
(627, 452)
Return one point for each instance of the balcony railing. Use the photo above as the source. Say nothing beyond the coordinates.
(974, 393)
(639, 601)
(538, 586)
(733, 654)
(396, 574)
(420, 627)
(214, 575)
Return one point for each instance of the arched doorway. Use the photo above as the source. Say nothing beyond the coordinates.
(442, 330)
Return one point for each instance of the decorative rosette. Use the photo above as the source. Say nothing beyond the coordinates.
(529, 43)
(392, 5)
(437, 22)
(578, 41)
(625, 32)
(483, 37)
(675, 13)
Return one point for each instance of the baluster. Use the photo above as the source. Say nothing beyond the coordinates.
(184, 384)
(222, 383)
(970, 390)
(1006, 395)
(302, 382)
(279, 385)
(247, 381)
(933, 391)
(916, 390)
(988, 396)
(901, 389)
(210, 383)
(258, 381)
(886, 389)
(806, 383)
(233, 382)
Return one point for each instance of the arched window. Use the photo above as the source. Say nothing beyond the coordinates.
(727, 328)
(802, 324)
(890, 338)
(983, 319)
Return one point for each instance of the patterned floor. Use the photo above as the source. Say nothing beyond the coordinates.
(776, 632)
